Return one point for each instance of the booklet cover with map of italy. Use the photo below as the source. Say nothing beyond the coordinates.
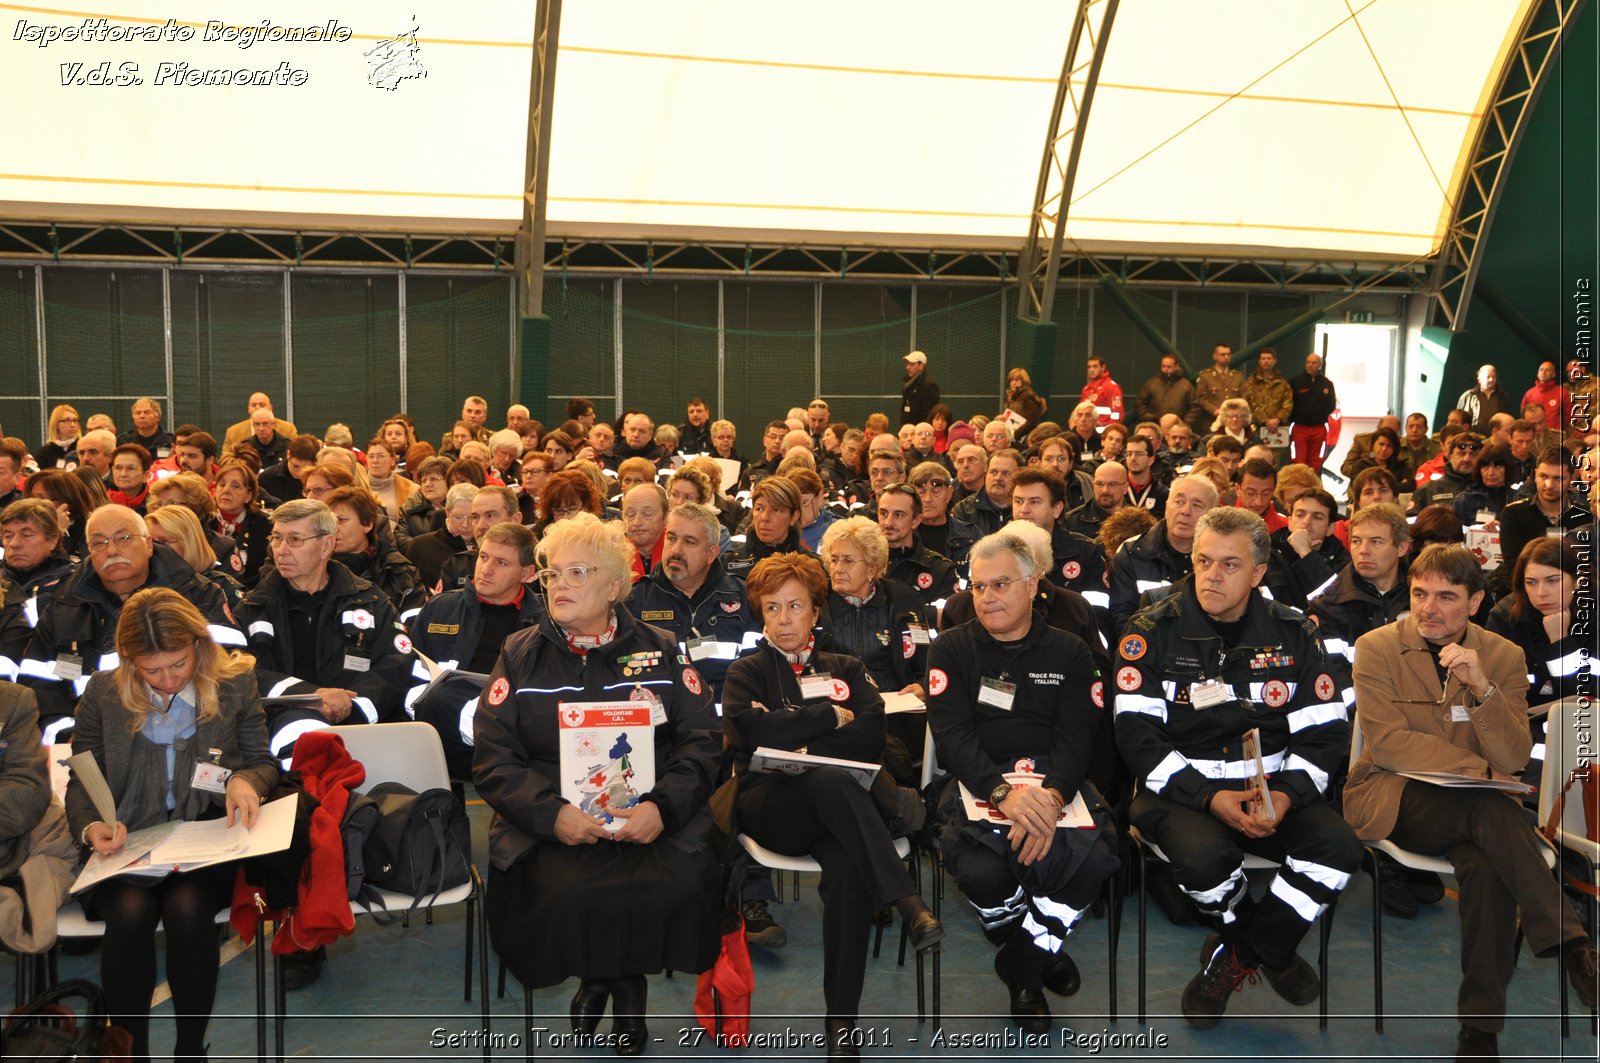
(608, 755)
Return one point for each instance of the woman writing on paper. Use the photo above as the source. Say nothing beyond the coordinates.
(159, 725)
(567, 895)
(789, 696)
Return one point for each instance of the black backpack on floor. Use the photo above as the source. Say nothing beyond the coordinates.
(417, 844)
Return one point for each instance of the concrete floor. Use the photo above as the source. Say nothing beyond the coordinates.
(396, 993)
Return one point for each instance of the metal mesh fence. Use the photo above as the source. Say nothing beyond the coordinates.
(357, 346)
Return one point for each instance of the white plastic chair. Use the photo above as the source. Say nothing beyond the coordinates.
(410, 754)
(1416, 862)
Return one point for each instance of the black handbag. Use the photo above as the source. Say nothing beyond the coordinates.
(46, 1029)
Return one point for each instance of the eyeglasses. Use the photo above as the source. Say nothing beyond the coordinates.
(572, 575)
(998, 586)
(1470, 447)
(836, 561)
(99, 546)
(293, 542)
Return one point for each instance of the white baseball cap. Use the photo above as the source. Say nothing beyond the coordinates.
(918, 357)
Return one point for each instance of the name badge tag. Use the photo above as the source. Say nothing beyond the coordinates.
(163, 452)
(1210, 694)
(210, 777)
(705, 646)
(1000, 695)
(352, 663)
(69, 666)
(1458, 714)
(658, 714)
(1485, 516)
(919, 635)
(813, 687)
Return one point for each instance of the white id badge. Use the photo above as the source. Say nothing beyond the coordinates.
(210, 777)
(658, 714)
(69, 666)
(813, 687)
(352, 663)
(919, 635)
(1209, 694)
(1458, 714)
(1000, 695)
(1485, 516)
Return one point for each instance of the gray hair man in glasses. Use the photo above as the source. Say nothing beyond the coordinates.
(318, 629)
(1438, 693)
(76, 632)
(1007, 693)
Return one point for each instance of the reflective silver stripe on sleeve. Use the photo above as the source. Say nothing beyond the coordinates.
(469, 711)
(30, 611)
(1098, 599)
(52, 731)
(1296, 898)
(1162, 773)
(263, 627)
(1236, 769)
(410, 615)
(282, 685)
(36, 669)
(1315, 715)
(368, 709)
(223, 635)
(1572, 662)
(1319, 778)
(1142, 585)
(1141, 703)
(109, 661)
(420, 671)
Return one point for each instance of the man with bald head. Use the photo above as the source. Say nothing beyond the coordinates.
(76, 633)
(1110, 495)
(1159, 559)
(270, 446)
(240, 430)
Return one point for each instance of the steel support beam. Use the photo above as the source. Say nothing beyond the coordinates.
(535, 192)
(1527, 68)
(1040, 265)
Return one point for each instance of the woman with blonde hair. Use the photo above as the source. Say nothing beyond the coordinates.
(60, 447)
(638, 849)
(178, 732)
(176, 527)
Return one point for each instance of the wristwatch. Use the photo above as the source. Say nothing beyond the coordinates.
(999, 794)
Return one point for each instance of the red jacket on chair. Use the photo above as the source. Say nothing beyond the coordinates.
(322, 913)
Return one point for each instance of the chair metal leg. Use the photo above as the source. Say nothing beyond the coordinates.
(501, 991)
(477, 914)
(261, 990)
(279, 1006)
(1377, 941)
(527, 1023)
(1113, 932)
(1143, 916)
(472, 903)
(1326, 921)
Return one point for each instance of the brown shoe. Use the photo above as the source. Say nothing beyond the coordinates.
(1206, 996)
(1583, 972)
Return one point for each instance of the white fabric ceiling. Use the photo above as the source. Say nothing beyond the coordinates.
(1229, 125)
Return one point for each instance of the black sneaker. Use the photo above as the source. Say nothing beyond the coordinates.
(301, 969)
(761, 929)
(1297, 983)
(1205, 998)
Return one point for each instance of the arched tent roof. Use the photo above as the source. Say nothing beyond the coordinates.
(1232, 126)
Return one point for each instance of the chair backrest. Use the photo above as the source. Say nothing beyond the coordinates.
(1569, 734)
(930, 758)
(407, 753)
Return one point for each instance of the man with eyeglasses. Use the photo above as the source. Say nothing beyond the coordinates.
(431, 552)
(930, 574)
(1194, 673)
(462, 630)
(1437, 693)
(983, 512)
(1138, 455)
(1009, 693)
(1463, 451)
(490, 506)
(76, 632)
(316, 628)
(935, 489)
(1153, 563)
(1110, 494)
